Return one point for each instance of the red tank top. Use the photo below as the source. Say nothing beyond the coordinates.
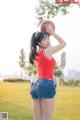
(45, 65)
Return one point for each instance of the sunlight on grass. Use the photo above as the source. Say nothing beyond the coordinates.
(16, 100)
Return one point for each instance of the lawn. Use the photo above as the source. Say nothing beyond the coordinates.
(16, 100)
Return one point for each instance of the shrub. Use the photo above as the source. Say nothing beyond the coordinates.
(14, 80)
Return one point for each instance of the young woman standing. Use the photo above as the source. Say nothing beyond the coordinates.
(43, 91)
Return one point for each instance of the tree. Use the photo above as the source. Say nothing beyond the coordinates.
(62, 65)
(31, 72)
(22, 60)
(58, 75)
(63, 60)
(31, 69)
(58, 71)
(49, 9)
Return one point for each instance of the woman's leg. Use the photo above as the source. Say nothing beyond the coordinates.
(47, 108)
(37, 109)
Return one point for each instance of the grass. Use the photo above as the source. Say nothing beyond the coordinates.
(16, 100)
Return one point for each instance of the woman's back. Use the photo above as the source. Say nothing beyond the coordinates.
(45, 65)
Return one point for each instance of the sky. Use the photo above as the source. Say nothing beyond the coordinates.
(18, 22)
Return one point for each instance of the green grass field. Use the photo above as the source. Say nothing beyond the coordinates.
(16, 100)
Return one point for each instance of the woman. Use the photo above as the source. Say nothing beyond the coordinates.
(43, 91)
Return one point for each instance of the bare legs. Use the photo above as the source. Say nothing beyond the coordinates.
(37, 109)
(43, 109)
(47, 108)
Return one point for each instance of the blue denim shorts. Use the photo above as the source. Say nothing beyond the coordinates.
(43, 89)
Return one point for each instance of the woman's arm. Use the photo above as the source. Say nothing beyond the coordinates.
(53, 49)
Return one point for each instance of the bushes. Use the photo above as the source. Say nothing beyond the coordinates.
(69, 82)
(14, 80)
(72, 83)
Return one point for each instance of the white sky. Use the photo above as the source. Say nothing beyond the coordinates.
(18, 22)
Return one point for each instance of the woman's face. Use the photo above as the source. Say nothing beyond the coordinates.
(45, 42)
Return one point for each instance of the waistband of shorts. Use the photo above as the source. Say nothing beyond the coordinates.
(45, 79)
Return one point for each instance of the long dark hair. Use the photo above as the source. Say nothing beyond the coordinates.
(36, 37)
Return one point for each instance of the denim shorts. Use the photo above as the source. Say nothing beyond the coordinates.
(43, 89)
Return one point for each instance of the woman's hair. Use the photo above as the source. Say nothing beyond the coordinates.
(36, 37)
